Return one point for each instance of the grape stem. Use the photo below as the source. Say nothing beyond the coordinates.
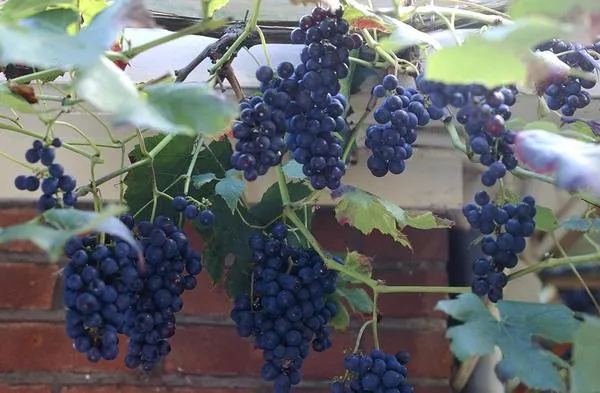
(248, 29)
(354, 133)
(555, 262)
(375, 285)
(374, 318)
(283, 190)
(188, 176)
(149, 157)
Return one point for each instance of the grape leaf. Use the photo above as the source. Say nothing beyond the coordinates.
(58, 19)
(358, 263)
(367, 212)
(200, 180)
(427, 220)
(586, 349)
(13, 10)
(212, 6)
(361, 17)
(231, 188)
(90, 8)
(341, 319)
(513, 334)
(270, 206)
(495, 57)
(545, 220)
(404, 35)
(293, 170)
(189, 108)
(51, 230)
(10, 100)
(40, 46)
(358, 299)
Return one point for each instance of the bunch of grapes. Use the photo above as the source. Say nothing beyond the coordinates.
(260, 129)
(390, 141)
(505, 229)
(109, 291)
(286, 311)
(568, 94)
(483, 113)
(374, 372)
(58, 189)
(170, 268)
(99, 282)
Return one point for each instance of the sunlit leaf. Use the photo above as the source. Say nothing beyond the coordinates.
(231, 188)
(13, 10)
(427, 220)
(361, 17)
(545, 220)
(212, 6)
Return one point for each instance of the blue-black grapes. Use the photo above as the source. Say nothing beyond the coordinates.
(287, 310)
(398, 117)
(376, 371)
(483, 113)
(58, 189)
(505, 229)
(191, 211)
(568, 94)
(109, 291)
(300, 108)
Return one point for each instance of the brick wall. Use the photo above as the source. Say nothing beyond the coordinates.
(208, 356)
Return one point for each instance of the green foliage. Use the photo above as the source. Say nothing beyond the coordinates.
(230, 188)
(495, 57)
(513, 333)
(90, 8)
(212, 6)
(427, 220)
(51, 230)
(341, 320)
(13, 10)
(171, 108)
(10, 100)
(404, 36)
(586, 346)
(360, 16)
(358, 263)
(358, 299)
(545, 220)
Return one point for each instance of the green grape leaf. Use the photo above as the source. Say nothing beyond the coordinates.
(200, 180)
(586, 349)
(270, 206)
(427, 220)
(404, 36)
(10, 100)
(495, 57)
(38, 45)
(367, 212)
(341, 319)
(231, 188)
(51, 230)
(293, 170)
(513, 333)
(551, 8)
(188, 108)
(541, 125)
(359, 300)
(578, 224)
(545, 220)
(212, 6)
(358, 263)
(57, 19)
(361, 17)
(90, 8)
(13, 10)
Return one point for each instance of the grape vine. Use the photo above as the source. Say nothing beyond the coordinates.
(190, 153)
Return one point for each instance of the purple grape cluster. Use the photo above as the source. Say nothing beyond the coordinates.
(483, 113)
(568, 94)
(374, 372)
(58, 189)
(287, 310)
(505, 229)
(391, 139)
(191, 211)
(109, 291)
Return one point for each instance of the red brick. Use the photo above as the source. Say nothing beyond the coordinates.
(193, 236)
(411, 305)
(15, 216)
(430, 245)
(146, 389)
(26, 285)
(218, 350)
(206, 298)
(212, 350)
(25, 389)
(333, 236)
(45, 347)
